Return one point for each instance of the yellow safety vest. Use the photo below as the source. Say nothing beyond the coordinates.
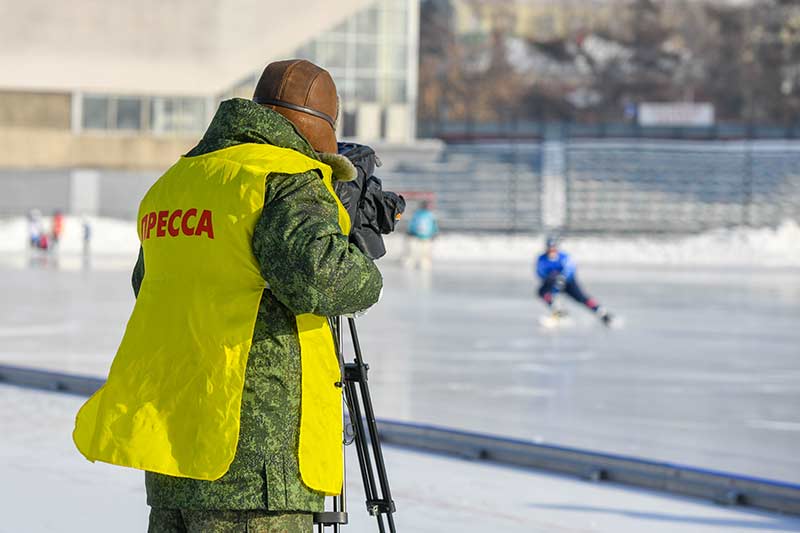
(172, 400)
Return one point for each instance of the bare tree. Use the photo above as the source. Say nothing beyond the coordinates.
(743, 58)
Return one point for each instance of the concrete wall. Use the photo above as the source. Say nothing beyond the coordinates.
(75, 191)
(35, 110)
(121, 192)
(37, 148)
(183, 47)
(23, 190)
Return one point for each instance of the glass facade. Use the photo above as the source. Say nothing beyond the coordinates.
(368, 57)
(367, 54)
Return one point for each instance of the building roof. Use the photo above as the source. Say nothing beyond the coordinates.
(170, 47)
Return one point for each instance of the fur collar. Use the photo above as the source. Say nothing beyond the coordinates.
(343, 169)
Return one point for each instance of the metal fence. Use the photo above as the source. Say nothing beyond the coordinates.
(680, 186)
(576, 185)
(617, 186)
(460, 131)
(477, 187)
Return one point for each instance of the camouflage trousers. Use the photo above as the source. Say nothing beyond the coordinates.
(187, 521)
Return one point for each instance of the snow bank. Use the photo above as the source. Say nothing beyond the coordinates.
(778, 247)
(108, 236)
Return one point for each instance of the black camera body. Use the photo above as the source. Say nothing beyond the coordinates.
(373, 211)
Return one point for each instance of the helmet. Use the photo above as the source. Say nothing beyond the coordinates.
(552, 241)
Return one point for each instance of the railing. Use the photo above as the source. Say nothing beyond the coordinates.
(487, 187)
(619, 186)
(461, 131)
(565, 183)
(680, 186)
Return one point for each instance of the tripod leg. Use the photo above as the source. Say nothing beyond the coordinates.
(386, 501)
(364, 462)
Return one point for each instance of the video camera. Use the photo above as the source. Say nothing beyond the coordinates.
(373, 211)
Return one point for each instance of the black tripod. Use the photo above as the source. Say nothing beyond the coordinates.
(379, 502)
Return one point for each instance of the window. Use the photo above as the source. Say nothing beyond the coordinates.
(366, 89)
(397, 22)
(346, 88)
(194, 114)
(95, 112)
(111, 113)
(331, 54)
(348, 127)
(398, 56)
(129, 114)
(367, 56)
(178, 114)
(397, 91)
(367, 22)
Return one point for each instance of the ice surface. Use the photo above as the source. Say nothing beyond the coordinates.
(704, 373)
(47, 486)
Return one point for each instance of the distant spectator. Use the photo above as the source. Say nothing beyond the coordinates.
(34, 228)
(87, 235)
(422, 229)
(44, 242)
(58, 227)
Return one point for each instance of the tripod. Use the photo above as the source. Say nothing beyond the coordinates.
(379, 497)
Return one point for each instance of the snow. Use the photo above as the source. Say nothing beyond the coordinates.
(774, 247)
(109, 236)
(750, 247)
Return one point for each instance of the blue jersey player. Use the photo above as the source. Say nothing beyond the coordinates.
(557, 272)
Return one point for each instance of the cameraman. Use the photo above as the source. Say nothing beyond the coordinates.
(251, 441)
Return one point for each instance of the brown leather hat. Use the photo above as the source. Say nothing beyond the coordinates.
(306, 95)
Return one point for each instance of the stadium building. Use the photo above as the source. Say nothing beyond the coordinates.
(97, 98)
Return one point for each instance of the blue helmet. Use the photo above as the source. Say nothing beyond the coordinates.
(552, 241)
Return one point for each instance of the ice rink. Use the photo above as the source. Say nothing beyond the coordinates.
(704, 372)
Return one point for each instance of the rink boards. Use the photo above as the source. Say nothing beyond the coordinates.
(721, 487)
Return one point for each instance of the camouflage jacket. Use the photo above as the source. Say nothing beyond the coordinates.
(309, 268)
